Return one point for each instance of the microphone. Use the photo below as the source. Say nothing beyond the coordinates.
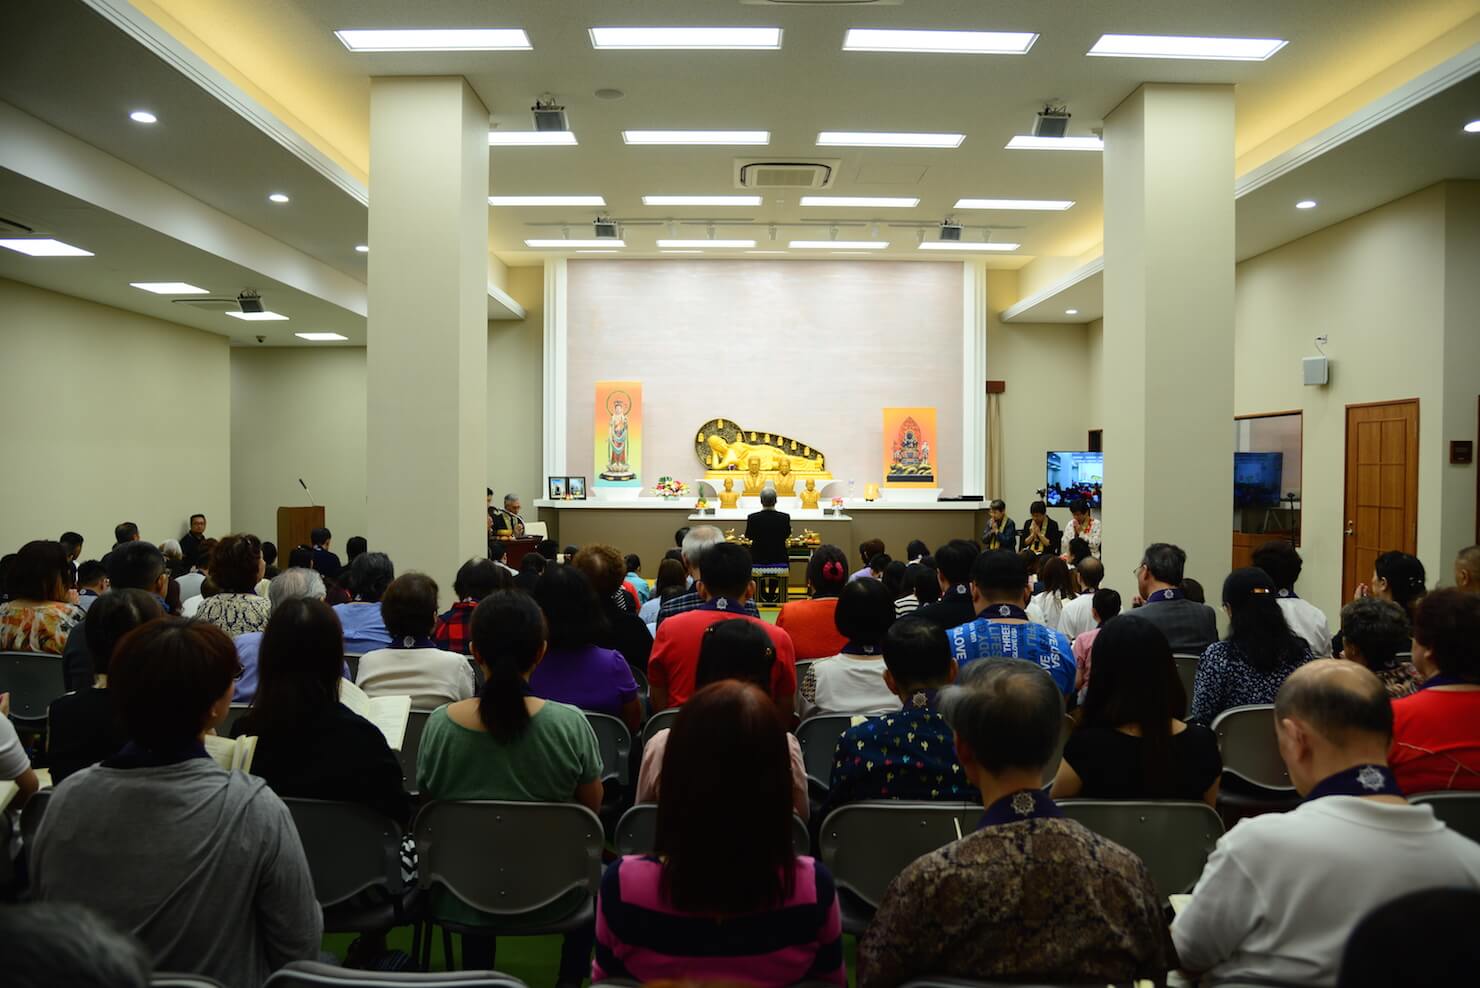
(307, 491)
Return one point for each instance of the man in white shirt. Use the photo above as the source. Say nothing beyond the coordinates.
(1281, 893)
(1078, 615)
(1281, 560)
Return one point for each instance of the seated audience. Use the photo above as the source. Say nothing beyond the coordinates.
(1373, 633)
(1047, 605)
(1282, 892)
(476, 579)
(135, 566)
(1281, 560)
(852, 682)
(269, 557)
(80, 727)
(71, 544)
(1467, 569)
(174, 558)
(1260, 651)
(906, 753)
(895, 579)
(364, 628)
(1443, 920)
(412, 665)
(621, 629)
(916, 551)
(866, 552)
(877, 566)
(531, 568)
(576, 670)
(1436, 731)
(633, 563)
(731, 650)
(49, 944)
(999, 588)
(1077, 552)
(671, 581)
(354, 548)
(190, 581)
(1398, 577)
(924, 584)
(1105, 604)
(511, 745)
(1190, 626)
(201, 864)
(1030, 895)
(695, 541)
(1077, 615)
(725, 583)
(1193, 590)
(324, 559)
(908, 600)
(810, 622)
(723, 897)
(954, 607)
(236, 567)
(38, 614)
(1132, 742)
(92, 582)
(498, 554)
(292, 584)
(15, 762)
(310, 746)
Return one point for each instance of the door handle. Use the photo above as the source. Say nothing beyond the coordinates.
(1351, 528)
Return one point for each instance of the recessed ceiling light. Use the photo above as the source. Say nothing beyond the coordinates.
(143, 116)
(604, 251)
(706, 243)
(546, 201)
(321, 337)
(1473, 127)
(586, 242)
(966, 245)
(531, 138)
(44, 247)
(749, 38)
(884, 139)
(362, 248)
(278, 197)
(435, 39)
(872, 202)
(1026, 142)
(839, 244)
(608, 93)
(169, 287)
(1071, 312)
(1172, 46)
(258, 316)
(943, 42)
(722, 137)
(1306, 204)
(701, 200)
(1023, 204)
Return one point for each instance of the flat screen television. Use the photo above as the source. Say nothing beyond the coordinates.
(1072, 476)
(1256, 479)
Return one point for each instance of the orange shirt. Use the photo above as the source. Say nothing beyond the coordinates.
(674, 664)
(812, 628)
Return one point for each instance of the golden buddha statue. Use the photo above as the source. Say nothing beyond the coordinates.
(810, 494)
(786, 481)
(728, 455)
(728, 498)
(753, 479)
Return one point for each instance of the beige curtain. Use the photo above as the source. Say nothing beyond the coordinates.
(995, 485)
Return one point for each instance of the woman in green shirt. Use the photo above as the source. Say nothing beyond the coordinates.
(505, 744)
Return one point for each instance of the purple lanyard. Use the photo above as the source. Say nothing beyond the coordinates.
(1025, 804)
(1359, 780)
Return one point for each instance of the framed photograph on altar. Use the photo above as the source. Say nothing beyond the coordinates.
(617, 434)
(575, 488)
(909, 447)
(558, 488)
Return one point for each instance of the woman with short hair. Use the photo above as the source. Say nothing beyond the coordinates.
(576, 670)
(852, 682)
(671, 581)
(1250, 665)
(370, 575)
(39, 614)
(810, 622)
(1436, 731)
(236, 567)
(1373, 633)
(412, 664)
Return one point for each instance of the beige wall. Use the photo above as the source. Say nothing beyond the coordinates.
(516, 387)
(1461, 371)
(109, 416)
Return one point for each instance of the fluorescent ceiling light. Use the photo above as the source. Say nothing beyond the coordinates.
(362, 248)
(876, 202)
(530, 138)
(258, 316)
(966, 245)
(1071, 312)
(725, 137)
(143, 116)
(1026, 142)
(701, 200)
(598, 252)
(588, 242)
(680, 252)
(44, 247)
(1306, 204)
(278, 197)
(1473, 127)
(765, 252)
(706, 243)
(169, 287)
(321, 337)
(435, 39)
(839, 244)
(1172, 46)
(1023, 204)
(749, 38)
(884, 139)
(546, 201)
(955, 42)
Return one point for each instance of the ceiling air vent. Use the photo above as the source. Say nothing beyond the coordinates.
(209, 304)
(761, 174)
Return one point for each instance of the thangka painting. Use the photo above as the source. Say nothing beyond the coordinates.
(617, 434)
(909, 447)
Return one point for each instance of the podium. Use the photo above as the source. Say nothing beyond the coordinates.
(294, 528)
(517, 549)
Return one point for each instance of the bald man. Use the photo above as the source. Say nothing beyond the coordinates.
(1282, 892)
(1467, 569)
(1078, 615)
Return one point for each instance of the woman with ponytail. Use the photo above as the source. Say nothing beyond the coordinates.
(1251, 664)
(506, 744)
(811, 622)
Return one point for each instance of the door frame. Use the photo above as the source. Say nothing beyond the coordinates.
(1347, 480)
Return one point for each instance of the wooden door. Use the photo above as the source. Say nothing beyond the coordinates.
(1381, 487)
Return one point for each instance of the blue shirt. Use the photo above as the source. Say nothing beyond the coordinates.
(364, 629)
(248, 647)
(983, 639)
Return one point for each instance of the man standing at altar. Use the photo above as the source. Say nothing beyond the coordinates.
(1001, 531)
(507, 520)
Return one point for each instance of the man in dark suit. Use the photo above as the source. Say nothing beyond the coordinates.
(324, 561)
(1189, 626)
(768, 530)
(1053, 538)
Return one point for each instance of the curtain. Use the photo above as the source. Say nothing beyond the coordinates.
(995, 484)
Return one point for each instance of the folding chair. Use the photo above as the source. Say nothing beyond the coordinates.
(1187, 672)
(352, 661)
(410, 746)
(638, 829)
(508, 860)
(818, 735)
(660, 721)
(1460, 811)
(312, 974)
(796, 701)
(161, 980)
(644, 691)
(615, 743)
(1052, 768)
(1173, 838)
(1251, 763)
(33, 680)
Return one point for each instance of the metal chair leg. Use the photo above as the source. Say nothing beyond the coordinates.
(447, 958)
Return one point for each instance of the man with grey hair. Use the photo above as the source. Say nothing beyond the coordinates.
(61, 943)
(695, 542)
(768, 530)
(1029, 895)
(291, 584)
(507, 519)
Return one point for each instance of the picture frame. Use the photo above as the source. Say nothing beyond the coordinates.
(558, 487)
(575, 488)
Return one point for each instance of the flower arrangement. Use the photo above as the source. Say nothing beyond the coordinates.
(700, 504)
(837, 502)
(670, 489)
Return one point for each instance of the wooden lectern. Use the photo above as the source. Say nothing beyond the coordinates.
(294, 528)
(517, 549)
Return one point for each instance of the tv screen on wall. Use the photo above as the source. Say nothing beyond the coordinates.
(1073, 476)
(1256, 479)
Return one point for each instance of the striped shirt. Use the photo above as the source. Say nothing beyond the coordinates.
(640, 936)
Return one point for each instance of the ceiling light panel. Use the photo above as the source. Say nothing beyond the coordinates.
(321, 337)
(940, 42)
(839, 244)
(680, 252)
(258, 316)
(701, 200)
(706, 243)
(1027, 142)
(530, 138)
(143, 117)
(686, 38)
(44, 247)
(967, 246)
(710, 137)
(588, 242)
(434, 39)
(1015, 204)
(871, 202)
(886, 139)
(1173, 46)
(546, 201)
(168, 287)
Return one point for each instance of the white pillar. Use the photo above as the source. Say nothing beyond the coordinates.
(1168, 358)
(427, 336)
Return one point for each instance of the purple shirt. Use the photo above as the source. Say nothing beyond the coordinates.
(589, 677)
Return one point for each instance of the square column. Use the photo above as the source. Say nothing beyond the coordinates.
(1168, 357)
(427, 336)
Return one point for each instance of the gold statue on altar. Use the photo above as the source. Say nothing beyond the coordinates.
(754, 481)
(810, 494)
(728, 498)
(760, 457)
(786, 481)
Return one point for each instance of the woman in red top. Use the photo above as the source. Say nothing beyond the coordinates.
(1436, 731)
(810, 622)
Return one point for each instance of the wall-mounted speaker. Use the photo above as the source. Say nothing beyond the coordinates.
(1317, 370)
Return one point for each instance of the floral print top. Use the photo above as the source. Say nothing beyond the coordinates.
(235, 613)
(37, 625)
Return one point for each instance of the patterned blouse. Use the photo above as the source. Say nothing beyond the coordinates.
(235, 613)
(1226, 679)
(904, 755)
(37, 625)
(1399, 679)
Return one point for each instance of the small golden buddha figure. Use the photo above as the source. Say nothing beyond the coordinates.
(786, 481)
(753, 480)
(729, 498)
(810, 494)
